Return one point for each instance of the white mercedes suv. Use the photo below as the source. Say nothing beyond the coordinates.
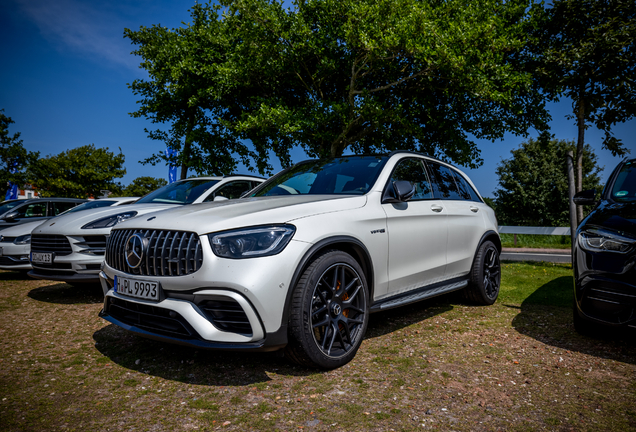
(301, 262)
(70, 248)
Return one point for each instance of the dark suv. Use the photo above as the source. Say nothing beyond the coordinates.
(16, 212)
(604, 256)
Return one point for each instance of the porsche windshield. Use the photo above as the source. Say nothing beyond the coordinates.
(181, 192)
(348, 175)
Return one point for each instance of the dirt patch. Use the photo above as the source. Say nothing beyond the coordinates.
(435, 365)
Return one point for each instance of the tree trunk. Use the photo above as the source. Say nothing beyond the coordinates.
(187, 148)
(580, 144)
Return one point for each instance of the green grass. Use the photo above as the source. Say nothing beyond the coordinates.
(536, 241)
(536, 283)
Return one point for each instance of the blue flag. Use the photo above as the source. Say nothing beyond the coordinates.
(171, 154)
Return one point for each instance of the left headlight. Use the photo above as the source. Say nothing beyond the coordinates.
(598, 240)
(251, 242)
(23, 239)
(110, 221)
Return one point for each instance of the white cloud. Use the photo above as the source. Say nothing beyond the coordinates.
(83, 28)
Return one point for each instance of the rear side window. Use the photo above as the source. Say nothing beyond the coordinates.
(465, 189)
(32, 210)
(231, 190)
(59, 207)
(444, 182)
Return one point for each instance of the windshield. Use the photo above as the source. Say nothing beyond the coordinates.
(624, 189)
(5, 207)
(89, 205)
(181, 192)
(349, 175)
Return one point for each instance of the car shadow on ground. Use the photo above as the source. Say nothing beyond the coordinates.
(62, 293)
(546, 315)
(226, 368)
(14, 275)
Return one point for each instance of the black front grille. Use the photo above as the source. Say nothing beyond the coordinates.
(51, 243)
(12, 261)
(227, 315)
(154, 319)
(59, 270)
(167, 253)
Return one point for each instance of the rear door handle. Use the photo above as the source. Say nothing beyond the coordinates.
(474, 209)
(437, 208)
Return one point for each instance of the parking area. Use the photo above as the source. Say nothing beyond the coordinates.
(434, 365)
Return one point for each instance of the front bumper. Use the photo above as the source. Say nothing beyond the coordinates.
(226, 304)
(81, 263)
(605, 288)
(14, 257)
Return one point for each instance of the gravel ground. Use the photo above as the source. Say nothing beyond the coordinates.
(435, 365)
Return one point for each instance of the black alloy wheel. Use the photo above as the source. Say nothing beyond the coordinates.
(329, 312)
(485, 276)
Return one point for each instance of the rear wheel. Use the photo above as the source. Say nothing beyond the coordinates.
(329, 313)
(485, 276)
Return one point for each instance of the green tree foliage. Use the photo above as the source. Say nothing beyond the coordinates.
(330, 75)
(533, 184)
(12, 155)
(78, 173)
(142, 186)
(588, 54)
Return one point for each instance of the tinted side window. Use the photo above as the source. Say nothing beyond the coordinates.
(465, 190)
(59, 207)
(412, 170)
(445, 186)
(231, 190)
(32, 210)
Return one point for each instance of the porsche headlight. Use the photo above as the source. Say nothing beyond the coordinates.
(598, 240)
(110, 221)
(251, 242)
(23, 239)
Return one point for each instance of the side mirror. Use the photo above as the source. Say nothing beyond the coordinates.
(403, 191)
(586, 197)
(10, 216)
(220, 198)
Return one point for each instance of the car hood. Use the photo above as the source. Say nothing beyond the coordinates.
(616, 216)
(72, 223)
(223, 215)
(22, 229)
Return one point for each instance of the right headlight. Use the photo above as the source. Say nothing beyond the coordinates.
(599, 240)
(110, 221)
(251, 242)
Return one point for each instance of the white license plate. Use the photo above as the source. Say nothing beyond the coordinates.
(142, 289)
(41, 258)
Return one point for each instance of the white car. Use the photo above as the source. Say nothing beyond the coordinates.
(15, 242)
(70, 248)
(15, 245)
(302, 261)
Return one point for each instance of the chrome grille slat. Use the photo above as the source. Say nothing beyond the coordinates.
(168, 253)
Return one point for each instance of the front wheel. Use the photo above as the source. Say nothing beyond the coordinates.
(329, 313)
(485, 276)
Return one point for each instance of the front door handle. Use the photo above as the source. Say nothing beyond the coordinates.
(437, 208)
(474, 209)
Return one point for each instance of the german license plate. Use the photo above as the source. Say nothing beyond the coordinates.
(41, 257)
(147, 290)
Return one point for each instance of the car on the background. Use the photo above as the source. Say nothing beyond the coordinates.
(300, 262)
(15, 245)
(604, 256)
(15, 241)
(71, 247)
(16, 212)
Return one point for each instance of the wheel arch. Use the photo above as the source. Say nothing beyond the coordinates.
(350, 245)
(489, 235)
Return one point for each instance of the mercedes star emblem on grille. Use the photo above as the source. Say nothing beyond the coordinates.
(135, 247)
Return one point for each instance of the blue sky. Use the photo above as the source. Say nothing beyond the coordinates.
(66, 67)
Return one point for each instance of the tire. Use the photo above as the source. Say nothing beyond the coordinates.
(329, 312)
(485, 276)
